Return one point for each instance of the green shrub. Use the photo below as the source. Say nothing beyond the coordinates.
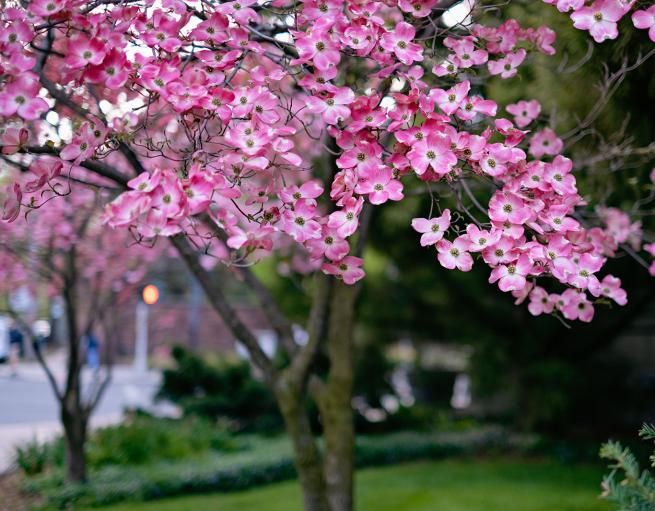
(266, 460)
(143, 439)
(32, 457)
(225, 389)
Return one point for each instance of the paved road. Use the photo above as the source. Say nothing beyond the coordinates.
(29, 409)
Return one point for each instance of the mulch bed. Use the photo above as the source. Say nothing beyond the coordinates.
(11, 499)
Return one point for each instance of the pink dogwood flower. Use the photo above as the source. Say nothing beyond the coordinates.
(512, 277)
(380, 186)
(433, 152)
(545, 142)
(346, 221)
(299, 223)
(348, 269)
(455, 255)
(307, 191)
(506, 66)
(450, 100)
(558, 175)
(574, 305)
(524, 112)
(541, 302)
(84, 51)
(333, 109)
(20, 97)
(432, 230)
(330, 245)
(480, 239)
(610, 287)
(645, 19)
(600, 19)
(399, 42)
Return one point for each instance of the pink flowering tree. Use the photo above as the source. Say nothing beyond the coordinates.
(69, 253)
(246, 128)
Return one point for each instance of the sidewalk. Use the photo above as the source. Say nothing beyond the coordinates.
(28, 408)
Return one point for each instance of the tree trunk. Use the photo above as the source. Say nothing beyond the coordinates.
(75, 431)
(307, 458)
(335, 400)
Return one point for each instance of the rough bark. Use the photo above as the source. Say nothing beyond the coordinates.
(75, 435)
(334, 400)
(307, 458)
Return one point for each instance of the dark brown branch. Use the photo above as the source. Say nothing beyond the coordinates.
(220, 303)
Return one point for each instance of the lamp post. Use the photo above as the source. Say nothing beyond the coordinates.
(149, 296)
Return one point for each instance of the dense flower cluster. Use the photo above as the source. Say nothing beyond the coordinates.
(601, 17)
(233, 104)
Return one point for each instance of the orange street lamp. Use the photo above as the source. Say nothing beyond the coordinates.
(149, 295)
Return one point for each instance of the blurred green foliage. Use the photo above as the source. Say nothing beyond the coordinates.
(222, 388)
(139, 440)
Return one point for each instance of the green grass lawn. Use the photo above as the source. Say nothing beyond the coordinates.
(428, 486)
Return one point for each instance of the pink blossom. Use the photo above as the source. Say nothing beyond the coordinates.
(610, 287)
(84, 51)
(455, 255)
(399, 41)
(512, 277)
(524, 112)
(566, 5)
(333, 109)
(307, 191)
(300, 222)
(508, 207)
(558, 176)
(19, 97)
(645, 19)
(475, 105)
(346, 221)
(432, 230)
(349, 269)
(450, 100)
(433, 152)
(541, 302)
(417, 8)
(257, 239)
(506, 66)
(574, 305)
(599, 19)
(13, 139)
(545, 142)
(380, 186)
(480, 239)
(330, 245)
(584, 277)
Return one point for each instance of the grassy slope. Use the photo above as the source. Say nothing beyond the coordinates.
(446, 485)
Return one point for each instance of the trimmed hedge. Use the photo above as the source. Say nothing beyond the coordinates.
(267, 461)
